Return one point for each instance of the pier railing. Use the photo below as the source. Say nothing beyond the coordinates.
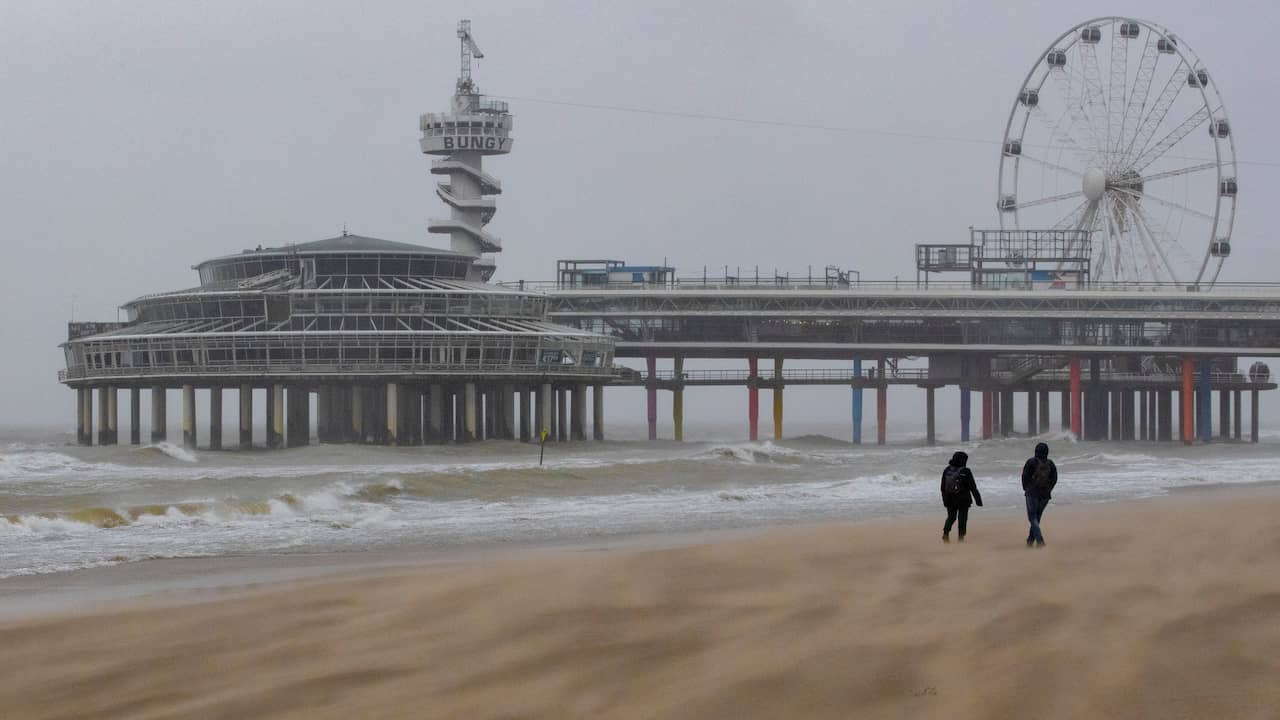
(885, 286)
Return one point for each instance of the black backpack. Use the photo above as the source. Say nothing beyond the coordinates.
(1042, 478)
(953, 482)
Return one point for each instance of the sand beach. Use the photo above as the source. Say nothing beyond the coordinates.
(1158, 608)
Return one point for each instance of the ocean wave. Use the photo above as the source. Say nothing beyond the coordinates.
(169, 450)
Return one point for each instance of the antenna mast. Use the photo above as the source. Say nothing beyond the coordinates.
(469, 50)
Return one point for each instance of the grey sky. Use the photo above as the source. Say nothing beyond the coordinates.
(138, 138)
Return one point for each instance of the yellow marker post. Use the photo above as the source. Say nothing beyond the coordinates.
(542, 444)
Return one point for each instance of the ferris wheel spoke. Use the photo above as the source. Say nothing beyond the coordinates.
(1072, 219)
(1064, 137)
(1050, 199)
(1075, 106)
(1159, 109)
(1137, 104)
(1117, 85)
(1051, 166)
(1149, 243)
(1175, 136)
(1096, 102)
(1179, 172)
(1161, 201)
(1163, 242)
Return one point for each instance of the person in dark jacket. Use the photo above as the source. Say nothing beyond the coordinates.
(1039, 476)
(959, 491)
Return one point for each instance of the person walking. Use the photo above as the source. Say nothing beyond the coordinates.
(1039, 476)
(959, 491)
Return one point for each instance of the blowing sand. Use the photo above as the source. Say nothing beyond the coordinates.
(1166, 609)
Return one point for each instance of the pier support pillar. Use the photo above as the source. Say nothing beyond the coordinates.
(1224, 414)
(562, 415)
(578, 413)
(677, 399)
(988, 410)
(246, 417)
(393, 414)
(1044, 411)
(491, 414)
(965, 412)
(135, 415)
(159, 416)
(930, 434)
(215, 418)
(597, 412)
(1204, 399)
(1117, 415)
(1126, 415)
(882, 402)
(109, 420)
(359, 411)
(1006, 413)
(544, 412)
(1143, 415)
(1186, 425)
(189, 416)
(1235, 407)
(1164, 415)
(651, 395)
(298, 417)
(324, 410)
(435, 414)
(469, 413)
(1064, 411)
(777, 398)
(526, 414)
(84, 415)
(508, 412)
(753, 398)
(856, 403)
(275, 416)
(1253, 416)
(1077, 397)
(1033, 413)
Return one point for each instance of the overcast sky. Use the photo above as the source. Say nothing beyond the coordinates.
(137, 138)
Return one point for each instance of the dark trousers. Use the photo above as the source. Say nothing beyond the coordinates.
(956, 512)
(1035, 508)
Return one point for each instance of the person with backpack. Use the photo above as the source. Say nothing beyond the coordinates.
(959, 491)
(1039, 476)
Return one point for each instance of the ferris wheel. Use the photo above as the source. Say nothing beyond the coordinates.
(1119, 129)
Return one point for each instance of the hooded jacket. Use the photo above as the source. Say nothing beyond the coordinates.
(970, 493)
(1029, 485)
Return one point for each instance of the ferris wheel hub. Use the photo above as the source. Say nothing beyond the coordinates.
(1095, 183)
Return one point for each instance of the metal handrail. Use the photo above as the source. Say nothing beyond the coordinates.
(878, 286)
(293, 368)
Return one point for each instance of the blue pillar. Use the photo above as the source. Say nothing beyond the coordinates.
(1203, 395)
(964, 414)
(857, 404)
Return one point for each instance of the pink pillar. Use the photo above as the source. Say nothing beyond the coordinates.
(651, 391)
(753, 398)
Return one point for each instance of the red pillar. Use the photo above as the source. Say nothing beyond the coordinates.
(753, 398)
(651, 391)
(1076, 395)
(1187, 426)
(986, 414)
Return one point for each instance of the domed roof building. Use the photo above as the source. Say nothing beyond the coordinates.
(400, 343)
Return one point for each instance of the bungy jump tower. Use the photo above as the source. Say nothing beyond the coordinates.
(397, 342)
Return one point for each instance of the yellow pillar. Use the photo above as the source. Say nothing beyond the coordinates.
(777, 398)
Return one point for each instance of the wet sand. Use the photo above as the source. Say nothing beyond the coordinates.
(1165, 608)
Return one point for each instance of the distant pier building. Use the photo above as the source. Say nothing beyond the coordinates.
(397, 343)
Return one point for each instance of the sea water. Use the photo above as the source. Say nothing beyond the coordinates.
(65, 507)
